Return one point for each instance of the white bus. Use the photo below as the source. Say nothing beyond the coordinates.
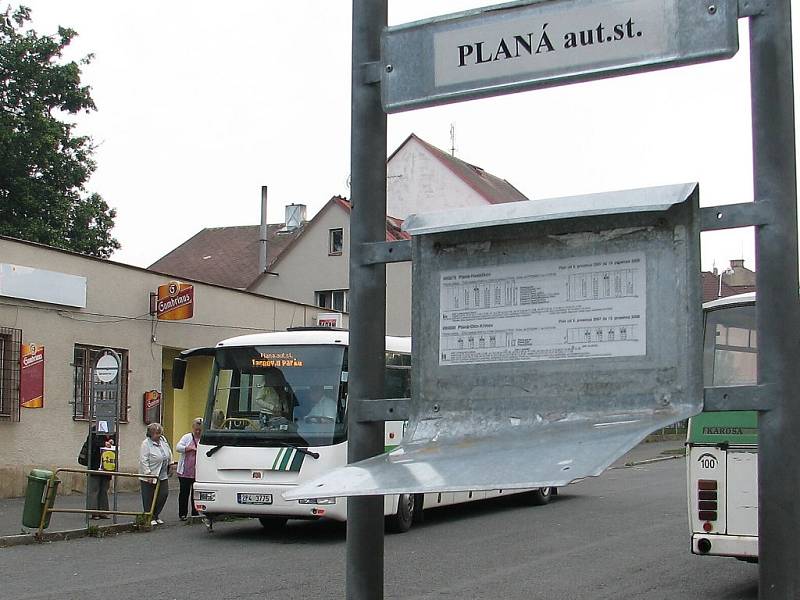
(276, 417)
(722, 447)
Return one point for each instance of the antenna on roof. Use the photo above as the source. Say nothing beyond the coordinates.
(453, 139)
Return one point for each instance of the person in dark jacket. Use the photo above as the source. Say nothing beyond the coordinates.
(97, 485)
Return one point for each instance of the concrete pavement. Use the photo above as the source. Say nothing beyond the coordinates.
(621, 536)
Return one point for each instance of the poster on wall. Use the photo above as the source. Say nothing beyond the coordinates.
(175, 301)
(31, 381)
(151, 408)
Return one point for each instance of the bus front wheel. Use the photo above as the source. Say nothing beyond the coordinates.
(538, 497)
(401, 521)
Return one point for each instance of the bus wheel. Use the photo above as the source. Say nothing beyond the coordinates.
(419, 513)
(273, 523)
(401, 521)
(539, 496)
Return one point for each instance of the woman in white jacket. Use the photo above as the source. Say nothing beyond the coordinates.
(155, 458)
(187, 448)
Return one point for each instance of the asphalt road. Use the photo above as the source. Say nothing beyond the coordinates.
(623, 535)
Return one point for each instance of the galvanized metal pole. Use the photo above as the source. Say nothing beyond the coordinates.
(367, 295)
(778, 313)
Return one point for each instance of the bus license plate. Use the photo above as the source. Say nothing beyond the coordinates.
(254, 498)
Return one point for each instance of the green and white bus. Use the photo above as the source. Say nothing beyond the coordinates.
(722, 447)
(276, 417)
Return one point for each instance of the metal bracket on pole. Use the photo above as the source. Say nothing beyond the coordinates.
(752, 8)
(371, 72)
(379, 411)
(731, 216)
(738, 397)
(386, 252)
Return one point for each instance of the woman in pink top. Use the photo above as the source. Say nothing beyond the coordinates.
(187, 448)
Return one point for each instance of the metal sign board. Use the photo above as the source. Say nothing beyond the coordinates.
(107, 368)
(539, 43)
(544, 347)
(105, 390)
(175, 301)
(105, 409)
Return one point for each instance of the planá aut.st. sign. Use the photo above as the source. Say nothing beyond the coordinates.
(524, 45)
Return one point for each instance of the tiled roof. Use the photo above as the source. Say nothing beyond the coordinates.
(493, 189)
(226, 256)
(712, 288)
(394, 231)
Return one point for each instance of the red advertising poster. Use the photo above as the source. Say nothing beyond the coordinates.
(152, 407)
(31, 381)
(175, 301)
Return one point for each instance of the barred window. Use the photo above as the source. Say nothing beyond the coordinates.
(83, 363)
(10, 348)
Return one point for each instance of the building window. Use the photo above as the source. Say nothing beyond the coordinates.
(84, 359)
(335, 241)
(333, 299)
(10, 348)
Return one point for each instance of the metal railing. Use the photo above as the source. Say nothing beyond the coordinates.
(52, 482)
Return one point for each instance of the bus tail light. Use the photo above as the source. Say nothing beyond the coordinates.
(707, 502)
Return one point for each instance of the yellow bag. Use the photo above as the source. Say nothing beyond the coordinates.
(108, 459)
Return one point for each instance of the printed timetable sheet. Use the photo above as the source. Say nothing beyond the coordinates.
(576, 307)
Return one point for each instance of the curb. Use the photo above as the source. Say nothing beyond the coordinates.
(25, 539)
(648, 461)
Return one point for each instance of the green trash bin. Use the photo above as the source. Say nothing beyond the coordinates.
(37, 496)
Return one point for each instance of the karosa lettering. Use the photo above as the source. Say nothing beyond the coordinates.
(723, 431)
(531, 43)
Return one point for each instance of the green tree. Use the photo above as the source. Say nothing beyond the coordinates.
(44, 164)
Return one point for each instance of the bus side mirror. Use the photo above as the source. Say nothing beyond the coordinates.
(178, 372)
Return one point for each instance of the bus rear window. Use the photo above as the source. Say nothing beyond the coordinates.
(730, 347)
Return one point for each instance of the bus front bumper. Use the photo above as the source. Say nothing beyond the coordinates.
(251, 500)
(739, 546)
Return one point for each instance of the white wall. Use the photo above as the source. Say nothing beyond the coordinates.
(419, 182)
(307, 267)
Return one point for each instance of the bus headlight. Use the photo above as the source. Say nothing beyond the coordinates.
(317, 501)
(205, 496)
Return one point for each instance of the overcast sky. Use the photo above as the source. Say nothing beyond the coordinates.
(201, 103)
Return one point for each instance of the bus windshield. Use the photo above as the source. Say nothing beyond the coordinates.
(277, 395)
